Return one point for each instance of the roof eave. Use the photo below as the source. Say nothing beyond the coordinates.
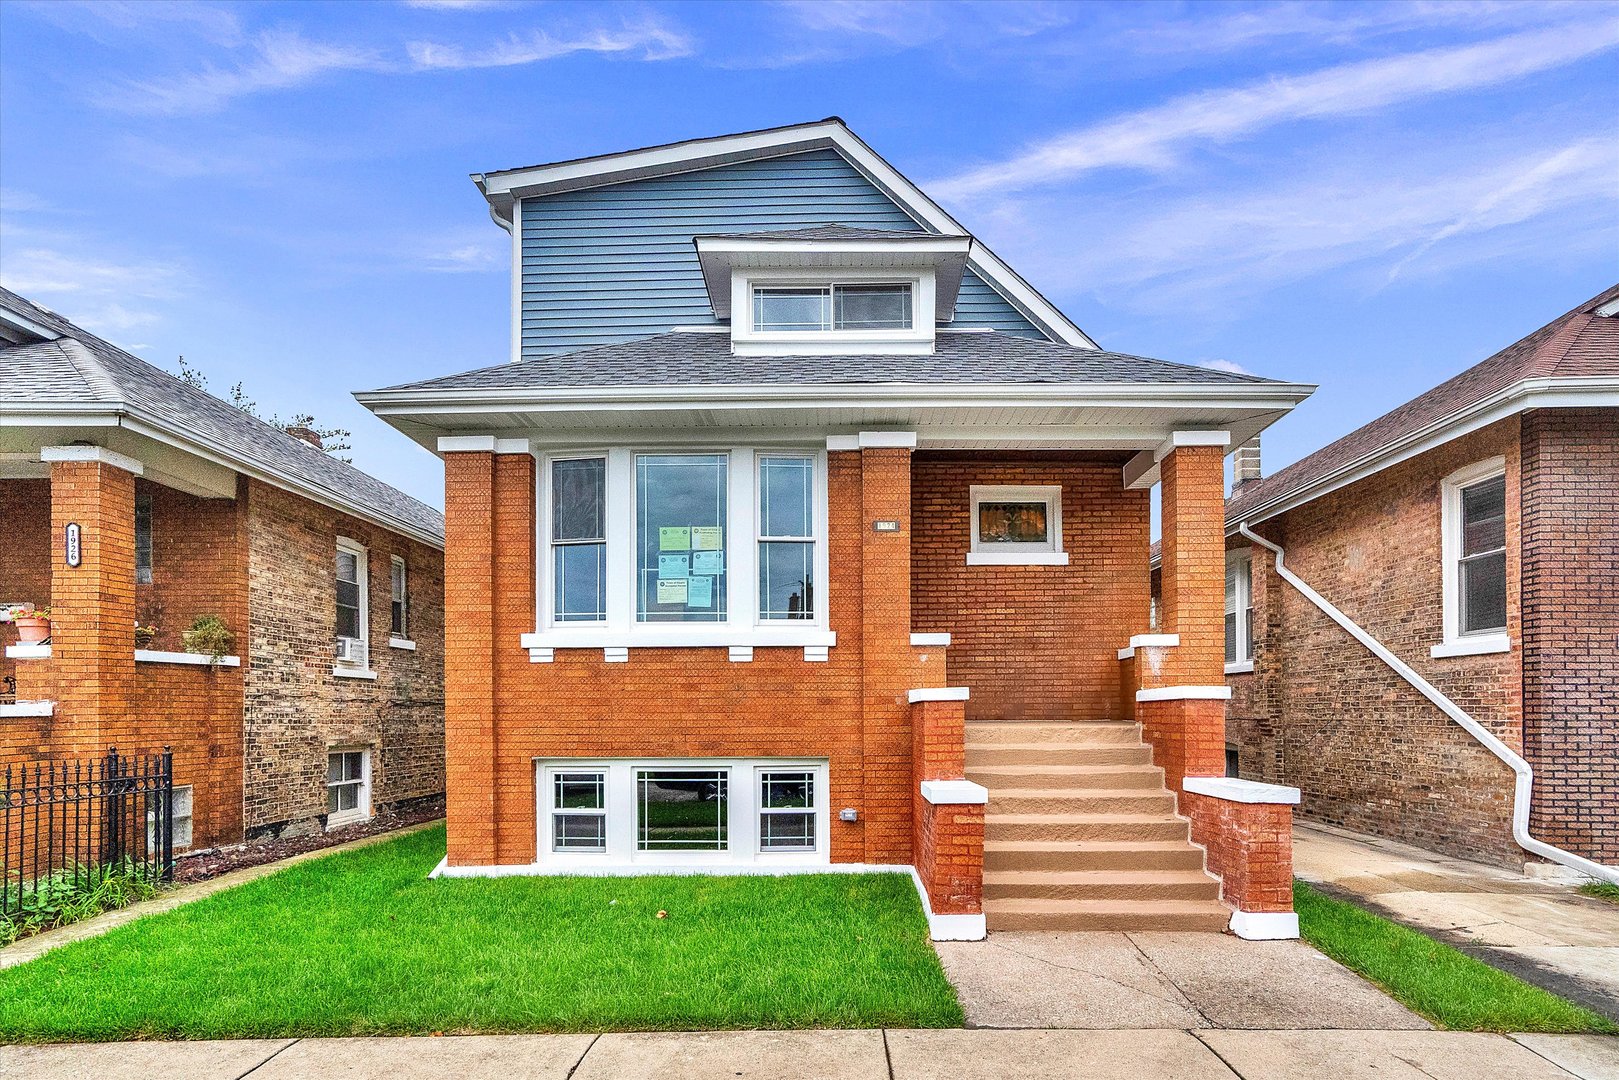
(1598, 391)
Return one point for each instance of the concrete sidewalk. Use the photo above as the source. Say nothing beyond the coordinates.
(848, 1055)
(1539, 930)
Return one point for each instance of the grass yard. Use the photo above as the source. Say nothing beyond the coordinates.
(1441, 983)
(362, 943)
(1601, 890)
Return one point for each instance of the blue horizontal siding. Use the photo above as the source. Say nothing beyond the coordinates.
(616, 263)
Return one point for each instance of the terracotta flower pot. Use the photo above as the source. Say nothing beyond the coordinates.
(31, 629)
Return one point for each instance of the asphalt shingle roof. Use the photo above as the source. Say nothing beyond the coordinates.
(81, 368)
(1580, 343)
(695, 359)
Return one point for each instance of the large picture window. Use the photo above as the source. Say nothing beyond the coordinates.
(683, 809)
(579, 539)
(1474, 574)
(680, 537)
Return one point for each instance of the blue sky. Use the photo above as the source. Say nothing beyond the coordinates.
(1366, 196)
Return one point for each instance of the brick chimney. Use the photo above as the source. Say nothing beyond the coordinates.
(312, 437)
(1245, 464)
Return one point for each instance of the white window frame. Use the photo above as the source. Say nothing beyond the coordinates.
(362, 802)
(552, 811)
(742, 828)
(401, 640)
(362, 570)
(742, 626)
(1456, 643)
(748, 341)
(1241, 562)
(816, 539)
(548, 544)
(1048, 553)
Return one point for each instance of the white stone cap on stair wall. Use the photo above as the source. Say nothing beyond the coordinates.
(1148, 641)
(930, 639)
(1184, 693)
(1232, 789)
(954, 792)
(937, 693)
(27, 708)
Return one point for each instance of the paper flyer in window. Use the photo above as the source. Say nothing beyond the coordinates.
(672, 592)
(707, 562)
(671, 567)
(707, 537)
(674, 538)
(700, 592)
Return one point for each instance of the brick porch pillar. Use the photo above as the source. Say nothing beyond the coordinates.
(92, 664)
(469, 641)
(948, 821)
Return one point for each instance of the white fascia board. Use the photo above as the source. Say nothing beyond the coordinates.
(98, 454)
(153, 427)
(1231, 789)
(725, 245)
(22, 322)
(504, 189)
(1591, 392)
(466, 444)
(887, 440)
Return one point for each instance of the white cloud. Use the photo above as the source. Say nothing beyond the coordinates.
(651, 40)
(284, 60)
(1226, 365)
(19, 201)
(114, 21)
(470, 252)
(103, 293)
(453, 5)
(1155, 138)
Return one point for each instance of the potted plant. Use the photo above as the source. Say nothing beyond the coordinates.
(147, 619)
(208, 634)
(33, 625)
(144, 636)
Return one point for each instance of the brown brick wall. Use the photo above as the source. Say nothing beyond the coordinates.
(296, 709)
(25, 553)
(1321, 713)
(1032, 642)
(1250, 847)
(198, 566)
(1571, 627)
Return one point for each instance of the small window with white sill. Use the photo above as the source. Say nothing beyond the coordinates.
(398, 605)
(1016, 525)
(1474, 549)
(787, 811)
(352, 615)
(1239, 612)
(348, 787)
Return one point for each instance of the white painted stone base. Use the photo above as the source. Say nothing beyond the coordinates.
(1265, 925)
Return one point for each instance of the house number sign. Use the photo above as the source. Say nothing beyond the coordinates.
(70, 544)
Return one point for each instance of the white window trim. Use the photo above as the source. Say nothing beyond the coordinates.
(742, 625)
(1245, 602)
(362, 807)
(1456, 643)
(817, 538)
(402, 639)
(1050, 553)
(746, 341)
(362, 571)
(743, 826)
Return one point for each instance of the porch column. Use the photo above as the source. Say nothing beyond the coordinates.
(469, 640)
(92, 664)
(1181, 705)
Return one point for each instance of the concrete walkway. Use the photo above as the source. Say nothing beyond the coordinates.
(1542, 931)
(39, 944)
(848, 1055)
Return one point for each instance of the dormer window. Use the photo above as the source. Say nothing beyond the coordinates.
(833, 307)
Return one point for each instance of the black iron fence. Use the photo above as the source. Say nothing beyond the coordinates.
(69, 825)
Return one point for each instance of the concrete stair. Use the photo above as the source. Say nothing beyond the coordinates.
(1081, 834)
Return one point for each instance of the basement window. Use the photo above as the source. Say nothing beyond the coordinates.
(1474, 549)
(348, 787)
(1016, 526)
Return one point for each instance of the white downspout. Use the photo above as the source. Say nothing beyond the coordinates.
(1525, 775)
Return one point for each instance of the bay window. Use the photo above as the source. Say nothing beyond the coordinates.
(658, 547)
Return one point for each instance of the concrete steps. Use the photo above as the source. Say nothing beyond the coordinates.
(1081, 833)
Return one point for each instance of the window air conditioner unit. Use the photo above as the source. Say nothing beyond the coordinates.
(350, 650)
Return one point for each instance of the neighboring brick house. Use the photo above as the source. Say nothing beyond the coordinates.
(1474, 533)
(184, 506)
(778, 438)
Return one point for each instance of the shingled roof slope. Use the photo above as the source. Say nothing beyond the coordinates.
(696, 359)
(80, 368)
(1578, 344)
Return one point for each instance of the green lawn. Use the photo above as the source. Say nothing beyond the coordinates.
(1602, 890)
(1441, 983)
(363, 943)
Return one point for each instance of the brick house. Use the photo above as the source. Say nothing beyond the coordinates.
(800, 533)
(1473, 534)
(328, 706)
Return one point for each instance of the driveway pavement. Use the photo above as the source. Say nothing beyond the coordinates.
(1542, 931)
(848, 1055)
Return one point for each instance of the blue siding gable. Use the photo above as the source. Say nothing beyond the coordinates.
(616, 263)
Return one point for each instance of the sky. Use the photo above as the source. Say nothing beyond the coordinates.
(1367, 196)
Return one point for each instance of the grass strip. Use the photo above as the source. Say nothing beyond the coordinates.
(362, 943)
(1435, 980)
(1601, 890)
